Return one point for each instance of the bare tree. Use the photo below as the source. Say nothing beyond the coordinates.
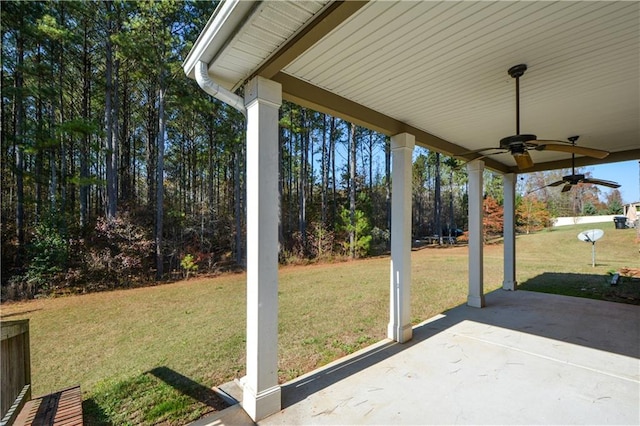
(352, 191)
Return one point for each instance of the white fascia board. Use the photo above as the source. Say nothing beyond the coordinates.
(221, 27)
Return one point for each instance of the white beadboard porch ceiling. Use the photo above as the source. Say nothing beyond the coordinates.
(441, 68)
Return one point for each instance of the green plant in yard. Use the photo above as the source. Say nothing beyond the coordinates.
(321, 241)
(188, 263)
(48, 253)
(361, 230)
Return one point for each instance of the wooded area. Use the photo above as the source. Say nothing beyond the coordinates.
(117, 169)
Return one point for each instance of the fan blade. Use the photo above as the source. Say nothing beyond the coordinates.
(607, 183)
(566, 188)
(464, 164)
(523, 160)
(572, 149)
(535, 190)
(464, 155)
(477, 151)
(558, 183)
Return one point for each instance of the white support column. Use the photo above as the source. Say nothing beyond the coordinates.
(509, 232)
(261, 393)
(476, 290)
(399, 328)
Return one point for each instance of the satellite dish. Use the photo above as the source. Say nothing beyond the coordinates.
(591, 236)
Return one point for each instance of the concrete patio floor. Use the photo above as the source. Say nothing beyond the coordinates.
(527, 358)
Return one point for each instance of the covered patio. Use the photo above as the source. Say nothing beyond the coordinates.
(432, 74)
(526, 358)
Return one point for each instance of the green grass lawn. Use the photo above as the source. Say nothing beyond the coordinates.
(149, 355)
(555, 261)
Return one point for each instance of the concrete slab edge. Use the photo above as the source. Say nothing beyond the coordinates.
(234, 414)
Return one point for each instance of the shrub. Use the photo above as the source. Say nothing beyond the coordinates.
(321, 241)
(119, 251)
(380, 239)
(361, 229)
(188, 263)
(45, 259)
(48, 254)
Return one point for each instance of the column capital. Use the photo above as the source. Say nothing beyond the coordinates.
(475, 165)
(263, 89)
(403, 140)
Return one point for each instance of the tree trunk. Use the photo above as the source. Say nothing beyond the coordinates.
(302, 213)
(452, 220)
(19, 140)
(387, 181)
(61, 120)
(310, 157)
(125, 166)
(280, 183)
(370, 163)
(437, 219)
(332, 149)
(152, 124)
(237, 204)
(352, 192)
(160, 181)
(109, 119)
(84, 150)
(39, 133)
(53, 165)
(325, 172)
(291, 177)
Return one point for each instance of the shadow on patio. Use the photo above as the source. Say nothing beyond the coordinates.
(596, 286)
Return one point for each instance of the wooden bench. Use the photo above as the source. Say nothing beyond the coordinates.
(59, 408)
(15, 369)
(16, 405)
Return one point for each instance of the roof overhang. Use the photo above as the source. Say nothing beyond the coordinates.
(438, 69)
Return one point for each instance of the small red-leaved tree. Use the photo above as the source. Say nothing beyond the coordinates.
(492, 221)
(493, 218)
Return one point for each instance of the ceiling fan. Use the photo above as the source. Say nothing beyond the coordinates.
(573, 179)
(519, 145)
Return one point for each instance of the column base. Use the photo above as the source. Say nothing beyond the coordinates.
(476, 301)
(400, 334)
(263, 404)
(509, 285)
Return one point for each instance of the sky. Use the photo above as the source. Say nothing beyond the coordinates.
(626, 173)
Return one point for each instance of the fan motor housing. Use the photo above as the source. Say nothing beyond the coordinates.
(573, 179)
(511, 142)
